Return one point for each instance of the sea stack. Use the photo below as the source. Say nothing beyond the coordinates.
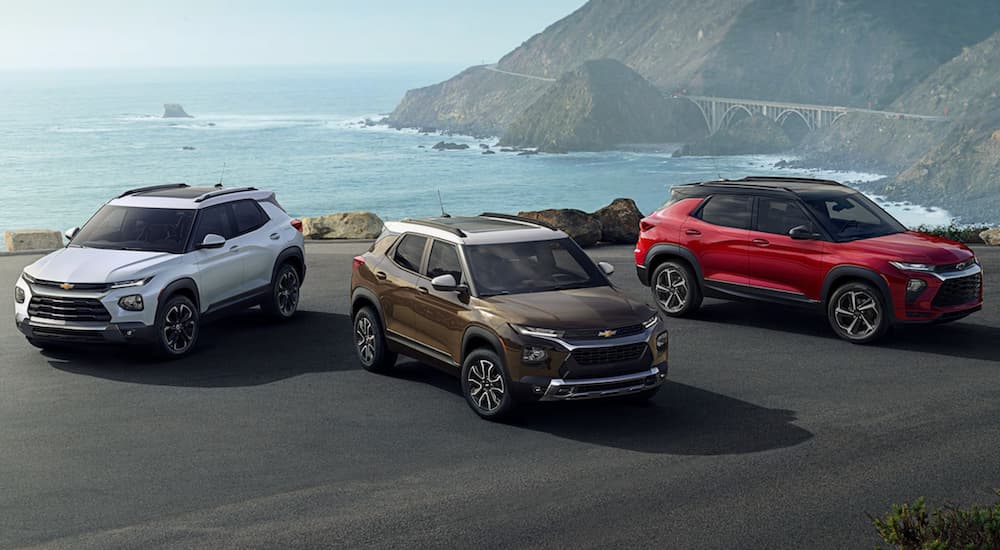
(174, 110)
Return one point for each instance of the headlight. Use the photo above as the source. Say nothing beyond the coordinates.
(904, 266)
(18, 294)
(651, 322)
(132, 302)
(27, 278)
(534, 354)
(662, 341)
(539, 332)
(132, 283)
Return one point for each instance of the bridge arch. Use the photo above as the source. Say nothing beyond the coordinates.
(783, 115)
(730, 114)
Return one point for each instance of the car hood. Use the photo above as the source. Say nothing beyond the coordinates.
(915, 247)
(96, 265)
(585, 308)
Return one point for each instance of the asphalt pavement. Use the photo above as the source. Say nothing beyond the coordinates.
(771, 433)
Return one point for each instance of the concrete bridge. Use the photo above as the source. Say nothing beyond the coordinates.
(720, 112)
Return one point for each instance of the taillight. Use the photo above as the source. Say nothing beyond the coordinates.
(297, 224)
(645, 226)
(358, 262)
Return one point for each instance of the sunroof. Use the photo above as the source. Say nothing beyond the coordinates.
(179, 192)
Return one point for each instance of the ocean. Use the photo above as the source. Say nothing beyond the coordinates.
(71, 140)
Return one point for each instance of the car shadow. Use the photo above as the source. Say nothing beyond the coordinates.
(679, 420)
(966, 338)
(246, 349)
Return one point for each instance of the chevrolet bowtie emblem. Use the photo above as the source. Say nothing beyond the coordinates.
(607, 333)
(961, 266)
(66, 286)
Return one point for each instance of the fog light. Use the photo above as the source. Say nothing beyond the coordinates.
(914, 287)
(132, 302)
(18, 294)
(662, 341)
(534, 354)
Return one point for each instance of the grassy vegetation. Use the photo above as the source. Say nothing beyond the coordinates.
(960, 233)
(912, 527)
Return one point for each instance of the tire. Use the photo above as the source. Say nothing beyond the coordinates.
(283, 300)
(486, 385)
(675, 289)
(369, 342)
(857, 313)
(178, 324)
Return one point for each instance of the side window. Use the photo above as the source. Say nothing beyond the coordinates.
(779, 216)
(249, 216)
(409, 252)
(216, 220)
(727, 211)
(444, 261)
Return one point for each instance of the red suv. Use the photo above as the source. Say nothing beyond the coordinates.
(803, 241)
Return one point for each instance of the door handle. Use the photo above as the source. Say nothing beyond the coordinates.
(380, 275)
(423, 290)
(234, 247)
(692, 232)
(761, 242)
(275, 236)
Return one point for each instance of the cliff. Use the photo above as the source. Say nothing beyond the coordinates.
(599, 105)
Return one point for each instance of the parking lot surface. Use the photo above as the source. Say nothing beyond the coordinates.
(771, 433)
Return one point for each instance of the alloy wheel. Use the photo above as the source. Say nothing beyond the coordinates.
(672, 290)
(364, 339)
(857, 314)
(288, 292)
(179, 327)
(486, 385)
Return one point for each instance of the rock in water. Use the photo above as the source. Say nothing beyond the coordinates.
(174, 110)
(449, 146)
(599, 105)
(346, 225)
(619, 222)
(748, 136)
(584, 228)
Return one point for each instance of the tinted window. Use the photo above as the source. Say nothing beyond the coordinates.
(779, 216)
(410, 251)
(129, 228)
(852, 216)
(444, 261)
(214, 220)
(249, 216)
(728, 211)
(539, 266)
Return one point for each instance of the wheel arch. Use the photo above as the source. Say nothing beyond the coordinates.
(185, 286)
(476, 337)
(841, 275)
(362, 297)
(295, 257)
(660, 253)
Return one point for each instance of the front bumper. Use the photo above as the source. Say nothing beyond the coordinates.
(578, 389)
(114, 333)
(643, 274)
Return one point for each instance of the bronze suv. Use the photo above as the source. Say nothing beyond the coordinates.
(514, 307)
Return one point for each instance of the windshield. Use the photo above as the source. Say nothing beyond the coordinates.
(849, 217)
(131, 228)
(540, 266)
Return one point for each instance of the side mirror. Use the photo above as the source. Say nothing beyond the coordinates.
(802, 233)
(70, 233)
(607, 268)
(446, 283)
(212, 241)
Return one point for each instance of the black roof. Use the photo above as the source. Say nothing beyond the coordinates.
(776, 183)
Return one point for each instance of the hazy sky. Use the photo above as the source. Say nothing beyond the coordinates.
(150, 33)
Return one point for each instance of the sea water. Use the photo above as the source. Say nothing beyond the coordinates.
(71, 140)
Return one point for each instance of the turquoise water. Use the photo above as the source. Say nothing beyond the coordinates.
(69, 141)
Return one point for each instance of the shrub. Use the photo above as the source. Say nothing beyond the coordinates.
(912, 527)
(960, 233)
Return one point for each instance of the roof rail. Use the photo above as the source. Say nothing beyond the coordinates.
(152, 188)
(221, 192)
(436, 225)
(521, 219)
(789, 178)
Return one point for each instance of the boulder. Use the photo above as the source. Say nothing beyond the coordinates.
(619, 222)
(489, 152)
(19, 240)
(991, 236)
(583, 227)
(174, 110)
(449, 146)
(345, 225)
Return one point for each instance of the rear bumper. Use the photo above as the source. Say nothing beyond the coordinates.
(594, 388)
(643, 274)
(114, 333)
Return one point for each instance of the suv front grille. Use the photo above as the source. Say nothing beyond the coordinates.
(98, 287)
(593, 334)
(68, 309)
(958, 291)
(611, 354)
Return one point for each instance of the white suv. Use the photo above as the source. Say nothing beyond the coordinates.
(155, 261)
